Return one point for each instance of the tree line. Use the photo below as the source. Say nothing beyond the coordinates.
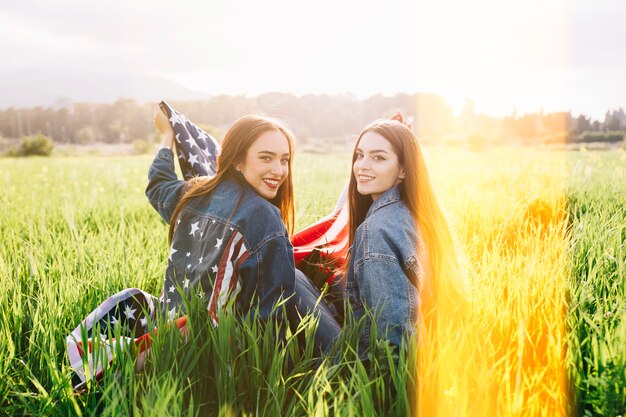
(311, 117)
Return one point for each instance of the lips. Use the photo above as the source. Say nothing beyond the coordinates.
(272, 183)
(364, 178)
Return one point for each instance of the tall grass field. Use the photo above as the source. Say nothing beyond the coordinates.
(542, 236)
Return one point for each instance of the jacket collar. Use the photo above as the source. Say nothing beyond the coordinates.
(392, 195)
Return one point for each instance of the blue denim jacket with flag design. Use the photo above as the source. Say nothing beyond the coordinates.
(232, 243)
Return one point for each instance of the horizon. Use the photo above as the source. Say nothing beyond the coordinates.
(65, 102)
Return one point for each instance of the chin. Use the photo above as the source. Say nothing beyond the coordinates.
(268, 195)
(363, 191)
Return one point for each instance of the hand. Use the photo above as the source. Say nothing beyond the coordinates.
(162, 124)
(400, 118)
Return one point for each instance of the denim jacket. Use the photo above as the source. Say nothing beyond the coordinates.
(230, 244)
(385, 271)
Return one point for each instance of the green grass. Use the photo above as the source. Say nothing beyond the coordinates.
(75, 231)
(597, 289)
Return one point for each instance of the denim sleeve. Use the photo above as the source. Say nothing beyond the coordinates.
(271, 276)
(385, 289)
(164, 189)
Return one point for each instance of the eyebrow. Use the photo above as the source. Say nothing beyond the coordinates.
(271, 153)
(373, 150)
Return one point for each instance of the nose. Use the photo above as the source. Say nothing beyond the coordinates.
(277, 169)
(362, 164)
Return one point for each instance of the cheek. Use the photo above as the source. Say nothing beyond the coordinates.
(392, 171)
(257, 167)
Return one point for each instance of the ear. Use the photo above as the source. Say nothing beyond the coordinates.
(238, 167)
(401, 175)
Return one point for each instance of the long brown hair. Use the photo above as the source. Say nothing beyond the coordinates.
(237, 140)
(418, 195)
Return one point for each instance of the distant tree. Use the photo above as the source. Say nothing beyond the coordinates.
(527, 127)
(614, 120)
(596, 126)
(85, 134)
(583, 123)
(33, 145)
(318, 116)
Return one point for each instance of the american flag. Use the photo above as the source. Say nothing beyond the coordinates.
(197, 150)
(318, 250)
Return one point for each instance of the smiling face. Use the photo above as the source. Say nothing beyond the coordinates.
(266, 164)
(376, 166)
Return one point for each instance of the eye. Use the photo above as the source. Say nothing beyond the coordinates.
(378, 158)
(359, 155)
(265, 158)
(284, 161)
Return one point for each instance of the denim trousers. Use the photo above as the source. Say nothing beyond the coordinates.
(308, 300)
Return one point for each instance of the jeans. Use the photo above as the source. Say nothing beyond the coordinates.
(307, 300)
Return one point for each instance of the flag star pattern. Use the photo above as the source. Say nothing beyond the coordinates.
(203, 161)
(193, 159)
(130, 312)
(194, 228)
(216, 274)
(131, 309)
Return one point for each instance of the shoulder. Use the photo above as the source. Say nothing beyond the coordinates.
(391, 217)
(391, 228)
(258, 220)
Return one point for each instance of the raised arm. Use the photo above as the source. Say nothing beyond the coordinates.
(162, 124)
(164, 189)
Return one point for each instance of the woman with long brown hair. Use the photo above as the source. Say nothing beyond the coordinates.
(229, 234)
(402, 252)
(229, 240)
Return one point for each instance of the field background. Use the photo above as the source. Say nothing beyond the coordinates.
(544, 238)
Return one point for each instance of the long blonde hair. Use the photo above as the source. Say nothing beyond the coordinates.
(237, 140)
(443, 273)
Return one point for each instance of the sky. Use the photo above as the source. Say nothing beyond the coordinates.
(504, 56)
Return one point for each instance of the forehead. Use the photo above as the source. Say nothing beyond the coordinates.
(271, 141)
(373, 141)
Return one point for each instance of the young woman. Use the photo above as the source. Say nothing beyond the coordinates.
(229, 234)
(401, 247)
(229, 240)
